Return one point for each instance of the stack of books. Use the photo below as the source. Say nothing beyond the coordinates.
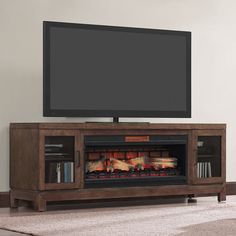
(65, 172)
(204, 170)
(59, 172)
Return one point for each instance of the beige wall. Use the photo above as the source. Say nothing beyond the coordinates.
(213, 57)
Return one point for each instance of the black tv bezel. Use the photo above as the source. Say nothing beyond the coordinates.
(48, 112)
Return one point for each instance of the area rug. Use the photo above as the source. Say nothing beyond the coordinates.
(219, 227)
(199, 219)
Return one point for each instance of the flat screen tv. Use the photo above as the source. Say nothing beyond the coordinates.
(109, 71)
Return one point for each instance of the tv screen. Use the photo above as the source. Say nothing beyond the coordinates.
(107, 71)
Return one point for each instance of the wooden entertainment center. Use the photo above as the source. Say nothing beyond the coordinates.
(89, 161)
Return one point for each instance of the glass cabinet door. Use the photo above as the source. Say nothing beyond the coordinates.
(209, 156)
(59, 154)
(59, 160)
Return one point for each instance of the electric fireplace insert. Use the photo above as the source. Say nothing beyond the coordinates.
(116, 161)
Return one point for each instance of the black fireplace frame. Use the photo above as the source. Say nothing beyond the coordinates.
(119, 141)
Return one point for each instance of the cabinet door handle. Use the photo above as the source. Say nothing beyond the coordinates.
(78, 158)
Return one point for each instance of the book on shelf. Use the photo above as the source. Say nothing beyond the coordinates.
(53, 149)
(198, 170)
(209, 169)
(204, 170)
(59, 172)
(53, 145)
(56, 154)
(68, 172)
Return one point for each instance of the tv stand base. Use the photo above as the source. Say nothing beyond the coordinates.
(40, 198)
(28, 169)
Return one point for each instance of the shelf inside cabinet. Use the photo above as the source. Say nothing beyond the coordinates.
(206, 156)
(56, 159)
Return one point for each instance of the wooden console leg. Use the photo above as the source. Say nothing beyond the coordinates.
(14, 203)
(191, 199)
(40, 204)
(222, 196)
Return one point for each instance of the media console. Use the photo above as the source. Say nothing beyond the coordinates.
(89, 161)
